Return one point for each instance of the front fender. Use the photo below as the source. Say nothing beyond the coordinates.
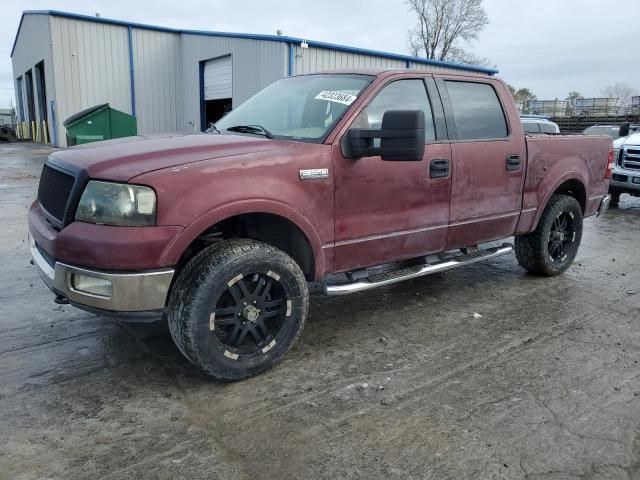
(174, 251)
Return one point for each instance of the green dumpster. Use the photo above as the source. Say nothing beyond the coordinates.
(99, 123)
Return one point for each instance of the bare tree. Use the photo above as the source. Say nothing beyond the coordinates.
(622, 91)
(443, 25)
(571, 102)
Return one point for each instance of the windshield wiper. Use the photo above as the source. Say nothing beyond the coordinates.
(255, 129)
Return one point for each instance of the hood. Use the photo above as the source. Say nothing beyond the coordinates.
(633, 139)
(125, 158)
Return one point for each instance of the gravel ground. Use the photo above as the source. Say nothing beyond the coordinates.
(483, 372)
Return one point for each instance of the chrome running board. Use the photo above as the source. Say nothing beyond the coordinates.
(396, 276)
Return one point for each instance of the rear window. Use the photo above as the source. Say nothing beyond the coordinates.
(477, 111)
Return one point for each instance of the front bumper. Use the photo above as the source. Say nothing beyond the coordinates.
(125, 293)
(625, 180)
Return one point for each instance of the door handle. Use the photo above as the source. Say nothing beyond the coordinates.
(513, 162)
(439, 168)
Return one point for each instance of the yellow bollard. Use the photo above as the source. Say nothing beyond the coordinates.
(45, 132)
(37, 134)
(33, 130)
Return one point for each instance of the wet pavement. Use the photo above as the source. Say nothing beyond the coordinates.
(483, 372)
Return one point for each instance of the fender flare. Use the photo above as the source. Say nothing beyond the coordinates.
(571, 175)
(177, 247)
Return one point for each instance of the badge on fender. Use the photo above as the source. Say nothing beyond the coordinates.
(314, 174)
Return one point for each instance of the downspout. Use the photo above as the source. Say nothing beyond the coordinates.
(131, 73)
(291, 67)
(54, 123)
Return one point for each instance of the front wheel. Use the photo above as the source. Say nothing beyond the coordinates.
(237, 307)
(551, 248)
(615, 198)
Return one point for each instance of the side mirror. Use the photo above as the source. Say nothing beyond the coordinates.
(624, 129)
(401, 138)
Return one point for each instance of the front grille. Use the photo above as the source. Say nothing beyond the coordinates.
(630, 158)
(54, 191)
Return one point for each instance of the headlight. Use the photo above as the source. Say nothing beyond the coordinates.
(117, 204)
(616, 155)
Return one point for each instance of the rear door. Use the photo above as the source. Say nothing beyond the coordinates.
(488, 160)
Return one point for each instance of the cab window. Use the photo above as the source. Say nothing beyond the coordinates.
(408, 94)
(477, 111)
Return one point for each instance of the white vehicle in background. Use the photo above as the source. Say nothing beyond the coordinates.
(538, 124)
(612, 130)
(626, 169)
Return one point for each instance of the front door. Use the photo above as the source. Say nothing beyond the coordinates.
(392, 210)
(488, 160)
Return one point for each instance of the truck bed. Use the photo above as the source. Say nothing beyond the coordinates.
(579, 161)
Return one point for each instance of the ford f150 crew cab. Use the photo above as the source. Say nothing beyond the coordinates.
(312, 182)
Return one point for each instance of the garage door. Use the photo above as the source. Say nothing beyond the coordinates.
(218, 79)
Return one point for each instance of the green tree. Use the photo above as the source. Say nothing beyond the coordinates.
(522, 98)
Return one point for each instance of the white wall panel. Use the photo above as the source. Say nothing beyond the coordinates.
(157, 69)
(91, 66)
(33, 46)
(256, 64)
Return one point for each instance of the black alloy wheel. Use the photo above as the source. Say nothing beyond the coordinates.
(250, 313)
(237, 308)
(551, 248)
(562, 237)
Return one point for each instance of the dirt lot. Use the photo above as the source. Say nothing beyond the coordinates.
(403, 382)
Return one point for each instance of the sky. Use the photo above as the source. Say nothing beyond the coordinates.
(551, 47)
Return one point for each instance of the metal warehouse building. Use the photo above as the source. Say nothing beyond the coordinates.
(170, 80)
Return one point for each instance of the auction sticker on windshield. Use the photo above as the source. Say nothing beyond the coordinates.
(336, 96)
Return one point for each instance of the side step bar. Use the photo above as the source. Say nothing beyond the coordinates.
(388, 278)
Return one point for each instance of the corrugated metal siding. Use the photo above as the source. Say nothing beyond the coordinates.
(218, 78)
(312, 59)
(156, 69)
(91, 66)
(88, 64)
(32, 47)
(256, 64)
(441, 69)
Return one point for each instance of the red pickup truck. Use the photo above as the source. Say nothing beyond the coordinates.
(314, 181)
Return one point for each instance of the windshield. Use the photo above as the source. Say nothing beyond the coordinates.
(301, 108)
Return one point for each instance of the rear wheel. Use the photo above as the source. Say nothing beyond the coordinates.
(237, 308)
(551, 248)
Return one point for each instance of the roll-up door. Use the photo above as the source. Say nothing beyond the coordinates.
(218, 83)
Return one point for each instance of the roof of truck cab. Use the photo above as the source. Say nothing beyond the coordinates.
(376, 72)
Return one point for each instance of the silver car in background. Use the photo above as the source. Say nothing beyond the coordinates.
(533, 124)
